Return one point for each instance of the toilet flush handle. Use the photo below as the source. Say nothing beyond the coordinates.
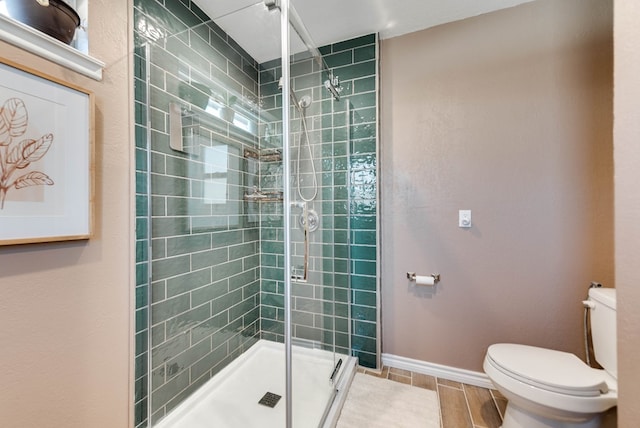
(588, 304)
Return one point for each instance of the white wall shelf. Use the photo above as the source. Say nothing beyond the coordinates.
(36, 42)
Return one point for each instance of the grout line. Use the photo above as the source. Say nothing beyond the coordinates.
(466, 400)
(495, 403)
(439, 404)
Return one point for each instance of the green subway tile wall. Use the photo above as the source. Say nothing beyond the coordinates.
(217, 274)
(359, 78)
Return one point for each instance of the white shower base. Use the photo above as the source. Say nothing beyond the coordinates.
(230, 399)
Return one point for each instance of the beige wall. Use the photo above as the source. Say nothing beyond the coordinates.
(65, 308)
(627, 206)
(510, 115)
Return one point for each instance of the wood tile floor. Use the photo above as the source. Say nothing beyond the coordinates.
(461, 405)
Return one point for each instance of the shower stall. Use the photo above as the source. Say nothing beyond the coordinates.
(257, 246)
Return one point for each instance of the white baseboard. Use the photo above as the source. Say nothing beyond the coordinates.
(445, 372)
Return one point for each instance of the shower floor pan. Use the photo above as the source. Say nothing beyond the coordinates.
(231, 398)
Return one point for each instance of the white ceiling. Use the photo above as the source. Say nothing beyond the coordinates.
(328, 21)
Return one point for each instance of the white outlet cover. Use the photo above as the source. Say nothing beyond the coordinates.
(464, 218)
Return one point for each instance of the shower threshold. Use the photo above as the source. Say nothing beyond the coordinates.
(231, 398)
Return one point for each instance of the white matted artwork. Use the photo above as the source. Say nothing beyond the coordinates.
(46, 157)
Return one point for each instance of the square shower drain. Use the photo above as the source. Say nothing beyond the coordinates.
(270, 399)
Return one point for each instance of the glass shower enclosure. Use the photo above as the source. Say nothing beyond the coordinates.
(248, 317)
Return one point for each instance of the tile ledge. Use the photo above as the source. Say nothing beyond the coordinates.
(36, 42)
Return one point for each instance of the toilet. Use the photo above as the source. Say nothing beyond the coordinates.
(554, 389)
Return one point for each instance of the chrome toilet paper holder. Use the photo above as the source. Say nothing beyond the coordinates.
(411, 276)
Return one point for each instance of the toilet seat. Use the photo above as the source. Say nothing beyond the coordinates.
(547, 369)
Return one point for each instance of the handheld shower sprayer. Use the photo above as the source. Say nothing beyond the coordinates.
(301, 105)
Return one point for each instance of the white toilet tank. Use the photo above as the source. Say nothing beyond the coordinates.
(603, 328)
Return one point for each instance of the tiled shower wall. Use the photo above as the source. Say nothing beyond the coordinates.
(205, 263)
(355, 63)
(343, 263)
(198, 329)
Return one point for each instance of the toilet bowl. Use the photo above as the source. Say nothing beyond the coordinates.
(553, 389)
(547, 388)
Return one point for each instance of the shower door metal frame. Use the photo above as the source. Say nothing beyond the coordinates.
(147, 76)
(286, 172)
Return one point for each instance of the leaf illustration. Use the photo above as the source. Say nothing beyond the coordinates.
(4, 130)
(4, 133)
(13, 120)
(35, 178)
(28, 151)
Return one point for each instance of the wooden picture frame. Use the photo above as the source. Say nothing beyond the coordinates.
(46, 157)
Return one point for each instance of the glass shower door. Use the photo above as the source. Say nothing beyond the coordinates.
(204, 242)
(202, 118)
(319, 309)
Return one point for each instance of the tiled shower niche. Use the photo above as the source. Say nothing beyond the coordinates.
(215, 282)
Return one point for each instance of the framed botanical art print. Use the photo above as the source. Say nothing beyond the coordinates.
(46, 157)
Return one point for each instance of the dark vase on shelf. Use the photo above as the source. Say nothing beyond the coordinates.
(53, 17)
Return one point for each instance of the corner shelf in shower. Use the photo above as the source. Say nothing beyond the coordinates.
(36, 42)
(268, 155)
(274, 196)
